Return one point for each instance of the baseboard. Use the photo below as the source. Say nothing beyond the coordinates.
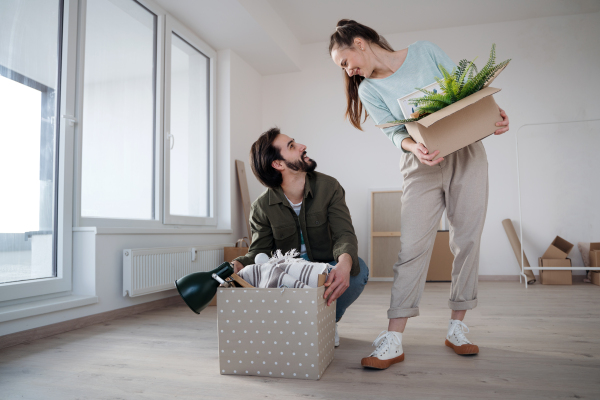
(499, 278)
(77, 323)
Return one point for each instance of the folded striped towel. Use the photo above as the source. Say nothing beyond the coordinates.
(284, 271)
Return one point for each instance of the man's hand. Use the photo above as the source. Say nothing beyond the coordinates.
(237, 266)
(503, 123)
(339, 278)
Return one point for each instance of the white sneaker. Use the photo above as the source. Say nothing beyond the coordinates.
(337, 337)
(456, 339)
(388, 351)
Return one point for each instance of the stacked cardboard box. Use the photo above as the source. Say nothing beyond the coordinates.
(283, 333)
(556, 256)
(595, 262)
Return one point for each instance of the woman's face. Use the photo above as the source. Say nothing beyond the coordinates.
(353, 60)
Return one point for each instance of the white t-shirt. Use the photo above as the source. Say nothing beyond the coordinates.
(297, 208)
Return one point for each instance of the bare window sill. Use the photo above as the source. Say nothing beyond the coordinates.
(150, 231)
(30, 309)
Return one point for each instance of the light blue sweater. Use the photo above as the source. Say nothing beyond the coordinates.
(380, 96)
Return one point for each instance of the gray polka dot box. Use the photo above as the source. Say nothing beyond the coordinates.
(278, 333)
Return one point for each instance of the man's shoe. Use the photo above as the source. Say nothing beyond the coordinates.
(388, 351)
(337, 337)
(457, 341)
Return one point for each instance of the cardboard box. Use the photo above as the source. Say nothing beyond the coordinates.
(596, 277)
(440, 266)
(457, 125)
(275, 332)
(548, 277)
(559, 248)
(230, 253)
(595, 255)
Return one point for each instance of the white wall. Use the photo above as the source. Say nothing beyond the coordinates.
(246, 124)
(554, 59)
(98, 260)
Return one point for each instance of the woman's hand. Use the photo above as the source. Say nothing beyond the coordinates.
(503, 123)
(419, 150)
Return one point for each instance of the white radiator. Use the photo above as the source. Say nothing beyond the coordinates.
(154, 270)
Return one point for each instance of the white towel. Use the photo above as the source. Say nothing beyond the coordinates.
(284, 271)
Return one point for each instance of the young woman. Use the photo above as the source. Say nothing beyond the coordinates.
(376, 76)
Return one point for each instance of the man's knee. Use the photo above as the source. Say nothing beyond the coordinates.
(364, 271)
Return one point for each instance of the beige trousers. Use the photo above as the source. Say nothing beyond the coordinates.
(460, 185)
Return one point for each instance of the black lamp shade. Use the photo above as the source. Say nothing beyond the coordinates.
(199, 288)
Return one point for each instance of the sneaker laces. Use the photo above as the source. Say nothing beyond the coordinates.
(384, 340)
(459, 328)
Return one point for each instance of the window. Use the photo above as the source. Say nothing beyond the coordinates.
(89, 136)
(189, 155)
(189, 145)
(35, 160)
(29, 63)
(147, 149)
(118, 127)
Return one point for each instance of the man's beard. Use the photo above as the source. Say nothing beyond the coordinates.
(301, 165)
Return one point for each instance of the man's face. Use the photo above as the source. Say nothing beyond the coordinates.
(294, 154)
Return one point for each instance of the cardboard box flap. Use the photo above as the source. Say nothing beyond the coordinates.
(321, 280)
(239, 280)
(559, 248)
(563, 245)
(454, 107)
(594, 246)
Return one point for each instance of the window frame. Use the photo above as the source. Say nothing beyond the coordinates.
(175, 27)
(84, 221)
(163, 220)
(65, 110)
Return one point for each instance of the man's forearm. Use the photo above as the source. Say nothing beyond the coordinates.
(245, 260)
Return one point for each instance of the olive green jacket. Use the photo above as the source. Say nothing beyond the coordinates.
(324, 220)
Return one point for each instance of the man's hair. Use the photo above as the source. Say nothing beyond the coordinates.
(262, 155)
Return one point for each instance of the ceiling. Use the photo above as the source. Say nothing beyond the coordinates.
(314, 21)
(268, 34)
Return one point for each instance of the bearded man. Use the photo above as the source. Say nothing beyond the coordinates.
(304, 210)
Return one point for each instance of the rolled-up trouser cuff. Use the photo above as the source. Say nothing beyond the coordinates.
(461, 305)
(403, 312)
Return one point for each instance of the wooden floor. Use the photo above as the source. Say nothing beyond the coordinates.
(536, 343)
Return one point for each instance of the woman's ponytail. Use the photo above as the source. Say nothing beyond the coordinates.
(345, 33)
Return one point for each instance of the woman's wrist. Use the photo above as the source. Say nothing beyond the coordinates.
(408, 144)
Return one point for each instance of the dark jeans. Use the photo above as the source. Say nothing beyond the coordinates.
(357, 284)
